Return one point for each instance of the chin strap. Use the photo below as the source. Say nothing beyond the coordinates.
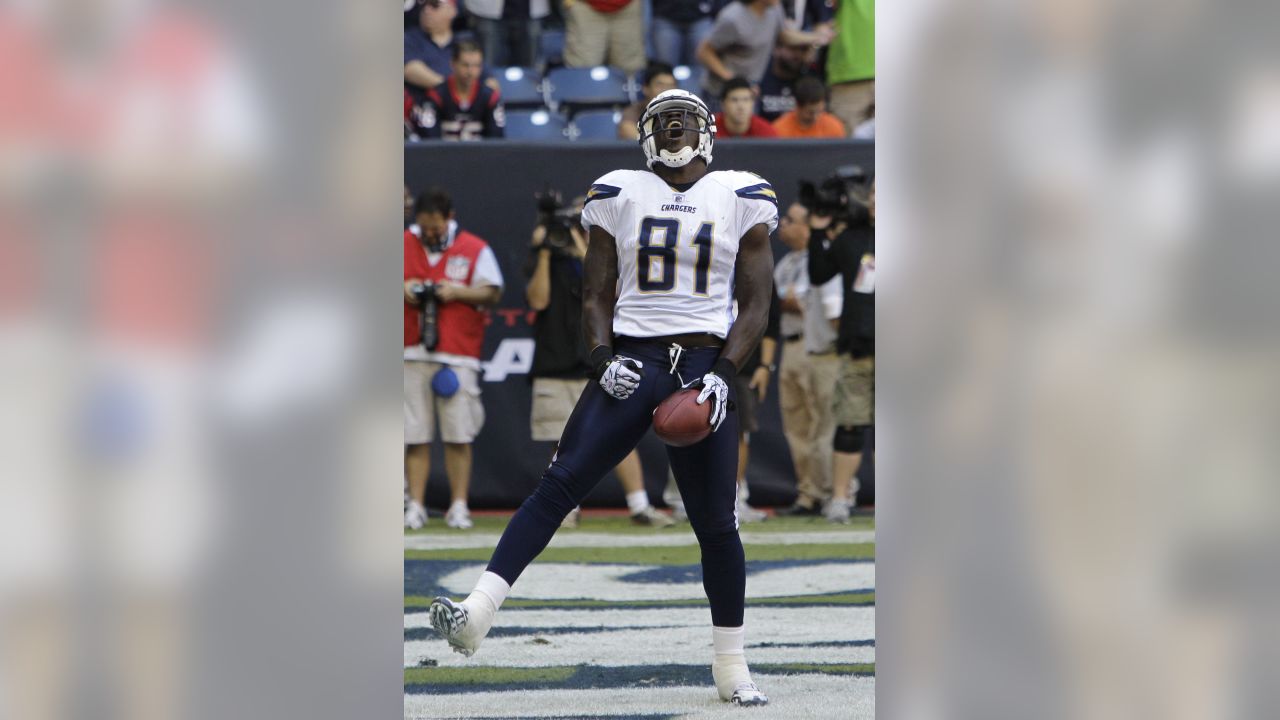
(680, 159)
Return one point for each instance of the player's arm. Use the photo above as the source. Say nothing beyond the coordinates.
(618, 376)
(599, 290)
(753, 289)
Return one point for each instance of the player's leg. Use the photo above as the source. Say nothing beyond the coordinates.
(707, 476)
(417, 437)
(599, 434)
(631, 475)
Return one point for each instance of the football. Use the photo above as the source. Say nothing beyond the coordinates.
(680, 421)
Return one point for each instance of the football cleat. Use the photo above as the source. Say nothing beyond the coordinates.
(652, 518)
(464, 627)
(747, 694)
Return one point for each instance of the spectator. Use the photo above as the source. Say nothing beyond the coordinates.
(450, 275)
(846, 246)
(428, 47)
(463, 108)
(659, 77)
(867, 129)
(851, 62)
(809, 365)
(561, 364)
(810, 119)
(742, 39)
(808, 14)
(604, 32)
(751, 385)
(509, 29)
(777, 87)
(678, 28)
(737, 117)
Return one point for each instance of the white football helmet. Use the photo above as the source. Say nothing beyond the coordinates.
(697, 119)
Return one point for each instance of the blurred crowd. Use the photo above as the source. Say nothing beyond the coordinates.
(583, 69)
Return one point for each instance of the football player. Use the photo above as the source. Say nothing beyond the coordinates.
(670, 249)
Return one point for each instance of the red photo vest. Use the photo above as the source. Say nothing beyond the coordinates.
(461, 325)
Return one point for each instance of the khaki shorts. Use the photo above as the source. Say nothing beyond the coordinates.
(553, 402)
(855, 401)
(461, 416)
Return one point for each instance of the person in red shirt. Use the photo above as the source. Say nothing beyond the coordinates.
(738, 118)
(450, 276)
(810, 119)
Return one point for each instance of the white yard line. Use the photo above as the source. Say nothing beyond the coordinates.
(793, 697)
(659, 538)
(679, 636)
(618, 583)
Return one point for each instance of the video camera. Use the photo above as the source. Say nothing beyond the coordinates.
(557, 218)
(842, 196)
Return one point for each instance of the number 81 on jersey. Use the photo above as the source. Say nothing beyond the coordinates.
(665, 254)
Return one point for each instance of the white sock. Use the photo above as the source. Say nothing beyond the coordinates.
(637, 501)
(489, 587)
(729, 641)
(458, 504)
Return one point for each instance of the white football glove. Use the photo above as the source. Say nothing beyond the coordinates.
(621, 377)
(714, 386)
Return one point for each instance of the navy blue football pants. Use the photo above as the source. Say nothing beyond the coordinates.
(599, 434)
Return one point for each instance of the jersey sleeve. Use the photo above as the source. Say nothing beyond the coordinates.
(601, 207)
(487, 272)
(757, 203)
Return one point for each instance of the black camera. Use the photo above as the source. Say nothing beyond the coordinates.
(425, 294)
(842, 195)
(558, 219)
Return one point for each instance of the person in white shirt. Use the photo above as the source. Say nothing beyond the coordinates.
(809, 364)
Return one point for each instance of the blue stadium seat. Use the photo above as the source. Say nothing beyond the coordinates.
(689, 79)
(536, 125)
(585, 87)
(551, 48)
(521, 87)
(596, 125)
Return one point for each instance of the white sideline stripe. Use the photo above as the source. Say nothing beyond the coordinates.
(566, 581)
(659, 538)
(686, 642)
(791, 697)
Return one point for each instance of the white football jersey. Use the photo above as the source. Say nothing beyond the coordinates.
(677, 249)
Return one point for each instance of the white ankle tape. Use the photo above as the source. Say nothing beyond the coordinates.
(492, 586)
(728, 641)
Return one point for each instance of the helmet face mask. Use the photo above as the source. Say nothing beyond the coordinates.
(666, 125)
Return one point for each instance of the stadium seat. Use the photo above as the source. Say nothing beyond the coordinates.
(521, 87)
(585, 87)
(596, 125)
(551, 48)
(536, 125)
(688, 80)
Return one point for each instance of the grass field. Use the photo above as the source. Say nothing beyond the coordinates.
(611, 622)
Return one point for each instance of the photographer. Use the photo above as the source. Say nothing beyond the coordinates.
(450, 275)
(843, 243)
(561, 365)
